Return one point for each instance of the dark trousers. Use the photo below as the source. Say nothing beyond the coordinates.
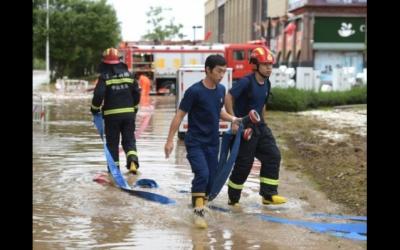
(124, 126)
(263, 146)
(203, 160)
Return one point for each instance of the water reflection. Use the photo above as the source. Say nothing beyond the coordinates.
(71, 211)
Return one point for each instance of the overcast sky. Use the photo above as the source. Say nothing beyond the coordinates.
(132, 16)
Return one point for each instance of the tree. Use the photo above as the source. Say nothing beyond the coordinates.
(79, 31)
(161, 31)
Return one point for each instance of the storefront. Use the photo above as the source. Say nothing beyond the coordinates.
(339, 42)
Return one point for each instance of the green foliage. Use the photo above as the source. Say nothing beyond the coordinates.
(287, 99)
(39, 64)
(161, 31)
(79, 30)
(292, 99)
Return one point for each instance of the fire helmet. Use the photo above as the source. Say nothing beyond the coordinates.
(261, 55)
(111, 56)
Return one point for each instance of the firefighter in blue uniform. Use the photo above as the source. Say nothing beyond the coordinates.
(252, 92)
(203, 102)
(117, 95)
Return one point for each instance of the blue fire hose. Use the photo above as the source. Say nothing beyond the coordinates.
(225, 164)
(116, 173)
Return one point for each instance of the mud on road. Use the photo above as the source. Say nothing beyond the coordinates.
(329, 148)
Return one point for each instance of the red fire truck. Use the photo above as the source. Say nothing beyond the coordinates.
(161, 62)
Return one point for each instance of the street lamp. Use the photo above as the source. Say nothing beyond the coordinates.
(194, 32)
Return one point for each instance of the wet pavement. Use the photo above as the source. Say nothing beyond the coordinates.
(70, 211)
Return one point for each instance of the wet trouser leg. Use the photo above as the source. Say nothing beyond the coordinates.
(212, 163)
(241, 169)
(203, 161)
(269, 155)
(112, 131)
(129, 141)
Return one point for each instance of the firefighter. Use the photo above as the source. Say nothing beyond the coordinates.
(252, 92)
(203, 102)
(121, 95)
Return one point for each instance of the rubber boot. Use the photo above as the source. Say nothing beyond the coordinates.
(199, 220)
(133, 168)
(235, 206)
(273, 200)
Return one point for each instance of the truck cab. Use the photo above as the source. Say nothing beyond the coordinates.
(237, 57)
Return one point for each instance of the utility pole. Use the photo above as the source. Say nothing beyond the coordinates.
(47, 42)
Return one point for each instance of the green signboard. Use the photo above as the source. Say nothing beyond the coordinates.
(339, 30)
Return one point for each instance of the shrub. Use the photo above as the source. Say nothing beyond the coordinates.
(292, 99)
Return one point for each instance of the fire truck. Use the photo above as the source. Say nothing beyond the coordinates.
(161, 62)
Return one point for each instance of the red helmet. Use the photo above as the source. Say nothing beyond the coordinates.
(261, 55)
(111, 56)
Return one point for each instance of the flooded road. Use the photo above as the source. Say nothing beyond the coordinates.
(70, 211)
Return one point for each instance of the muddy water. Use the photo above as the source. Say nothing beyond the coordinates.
(70, 211)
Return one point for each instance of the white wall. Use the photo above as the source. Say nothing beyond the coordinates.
(39, 77)
(309, 79)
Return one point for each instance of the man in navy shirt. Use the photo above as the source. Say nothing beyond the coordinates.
(251, 92)
(203, 103)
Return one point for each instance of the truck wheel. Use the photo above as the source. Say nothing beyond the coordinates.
(181, 135)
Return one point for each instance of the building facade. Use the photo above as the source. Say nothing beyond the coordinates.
(312, 33)
(235, 21)
(324, 34)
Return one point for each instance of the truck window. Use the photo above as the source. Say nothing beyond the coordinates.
(238, 55)
(249, 53)
(142, 61)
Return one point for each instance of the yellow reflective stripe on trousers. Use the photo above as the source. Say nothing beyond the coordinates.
(131, 153)
(118, 111)
(234, 185)
(119, 81)
(95, 107)
(269, 181)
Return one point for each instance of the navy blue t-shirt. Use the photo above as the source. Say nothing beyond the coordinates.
(203, 106)
(248, 97)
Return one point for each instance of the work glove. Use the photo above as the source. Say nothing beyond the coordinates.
(94, 111)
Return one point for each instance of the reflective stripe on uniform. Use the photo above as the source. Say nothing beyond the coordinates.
(269, 181)
(132, 152)
(119, 81)
(95, 107)
(118, 111)
(116, 163)
(234, 185)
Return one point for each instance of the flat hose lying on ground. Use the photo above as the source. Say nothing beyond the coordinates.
(116, 173)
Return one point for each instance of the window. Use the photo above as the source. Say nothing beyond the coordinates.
(142, 60)
(278, 29)
(299, 25)
(221, 23)
(238, 55)
(273, 32)
(249, 53)
(264, 13)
